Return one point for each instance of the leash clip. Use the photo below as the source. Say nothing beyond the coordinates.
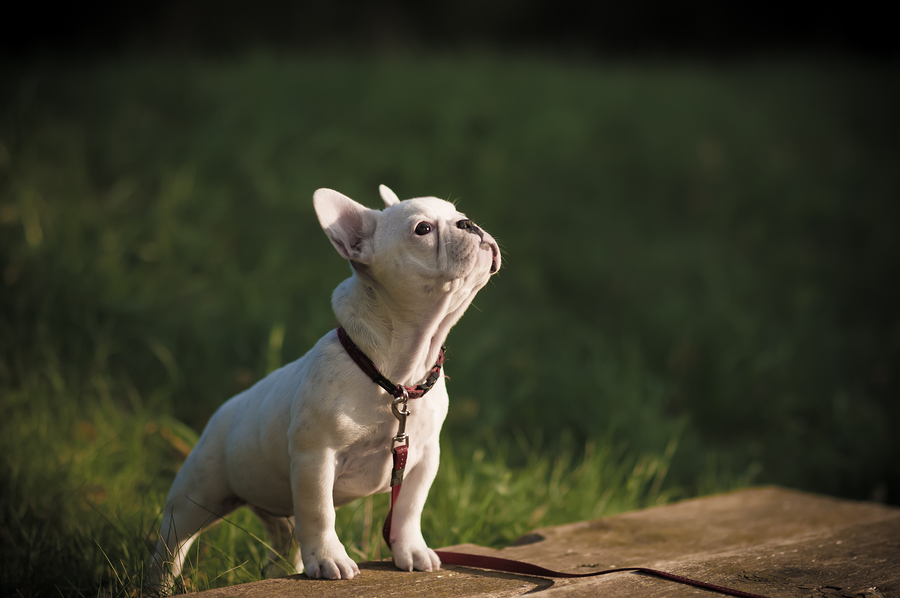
(400, 408)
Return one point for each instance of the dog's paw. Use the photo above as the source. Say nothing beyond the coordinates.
(415, 556)
(329, 563)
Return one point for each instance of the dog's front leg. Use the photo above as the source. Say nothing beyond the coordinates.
(407, 544)
(312, 480)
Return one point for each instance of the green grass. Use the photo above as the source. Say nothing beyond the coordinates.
(86, 480)
(697, 290)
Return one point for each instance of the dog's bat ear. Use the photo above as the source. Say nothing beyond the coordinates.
(389, 197)
(349, 225)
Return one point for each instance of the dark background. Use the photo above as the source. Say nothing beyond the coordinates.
(704, 28)
(859, 253)
(726, 288)
(861, 259)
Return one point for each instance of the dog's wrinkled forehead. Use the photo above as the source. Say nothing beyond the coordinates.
(430, 208)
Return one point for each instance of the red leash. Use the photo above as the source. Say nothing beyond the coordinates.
(400, 451)
(510, 566)
(493, 563)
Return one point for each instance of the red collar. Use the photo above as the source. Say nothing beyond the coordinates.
(371, 370)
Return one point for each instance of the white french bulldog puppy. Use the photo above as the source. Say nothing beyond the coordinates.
(317, 433)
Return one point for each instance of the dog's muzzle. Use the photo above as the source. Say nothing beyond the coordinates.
(469, 226)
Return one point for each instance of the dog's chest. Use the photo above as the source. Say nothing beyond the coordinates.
(363, 469)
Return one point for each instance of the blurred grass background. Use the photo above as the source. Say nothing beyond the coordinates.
(698, 290)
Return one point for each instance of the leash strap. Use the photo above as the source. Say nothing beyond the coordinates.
(400, 452)
(510, 566)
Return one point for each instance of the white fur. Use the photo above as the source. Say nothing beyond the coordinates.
(316, 433)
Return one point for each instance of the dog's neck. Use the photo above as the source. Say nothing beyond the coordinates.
(402, 342)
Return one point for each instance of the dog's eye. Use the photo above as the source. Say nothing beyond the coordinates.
(423, 228)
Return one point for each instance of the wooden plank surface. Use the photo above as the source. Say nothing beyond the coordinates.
(771, 541)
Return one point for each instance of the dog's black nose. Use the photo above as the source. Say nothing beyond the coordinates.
(469, 226)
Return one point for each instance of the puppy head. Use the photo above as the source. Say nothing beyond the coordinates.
(421, 246)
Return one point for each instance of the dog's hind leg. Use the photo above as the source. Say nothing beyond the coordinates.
(200, 497)
(284, 553)
(183, 520)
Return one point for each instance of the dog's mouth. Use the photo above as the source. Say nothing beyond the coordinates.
(495, 257)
